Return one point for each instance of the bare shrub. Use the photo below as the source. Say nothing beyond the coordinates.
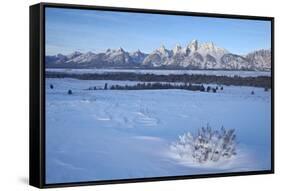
(206, 145)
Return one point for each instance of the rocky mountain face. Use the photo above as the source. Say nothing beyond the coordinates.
(193, 56)
(260, 59)
(137, 57)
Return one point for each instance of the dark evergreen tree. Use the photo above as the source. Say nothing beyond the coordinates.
(105, 86)
(202, 88)
(51, 86)
(69, 92)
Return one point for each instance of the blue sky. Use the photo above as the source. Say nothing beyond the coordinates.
(69, 30)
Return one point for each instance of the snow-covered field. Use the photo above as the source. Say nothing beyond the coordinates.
(121, 134)
(163, 72)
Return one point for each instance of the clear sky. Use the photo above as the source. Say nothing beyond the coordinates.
(69, 30)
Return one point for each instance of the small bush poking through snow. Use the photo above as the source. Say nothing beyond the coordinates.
(207, 146)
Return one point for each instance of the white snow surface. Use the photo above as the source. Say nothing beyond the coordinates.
(120, 134)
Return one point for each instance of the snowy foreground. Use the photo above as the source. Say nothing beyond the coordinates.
(120, 134)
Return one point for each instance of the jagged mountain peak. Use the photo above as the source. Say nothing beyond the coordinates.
(205, 47)
(137, 56)
(109, 50)
(75, 53)
(211, 46)
(208, 45)
(89, 53)
(114, 52)
(138, 51)
(60, 55)
(193, 45)
(260, 59)
(177, 49)
(161, 49)
(195, 55)
(120, 49)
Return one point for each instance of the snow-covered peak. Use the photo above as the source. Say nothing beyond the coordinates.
(193, 45)
(60, 55)
(260, 59)
(211, 49)
(208, 46)
(177, 49)
(120, 50)
(74, 54)
(81, 58)
(113, 52)
(136, 53)
(195, 55)
(162, 52)
(137, 56)
(89, 53)
(161, 49)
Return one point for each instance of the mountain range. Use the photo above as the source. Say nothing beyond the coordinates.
(193, 56)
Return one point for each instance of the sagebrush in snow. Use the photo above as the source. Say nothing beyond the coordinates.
(207, 145)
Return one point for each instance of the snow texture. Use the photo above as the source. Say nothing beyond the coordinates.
(120, 134)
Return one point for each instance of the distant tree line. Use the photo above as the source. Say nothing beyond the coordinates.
(260, 81)
(157, 85)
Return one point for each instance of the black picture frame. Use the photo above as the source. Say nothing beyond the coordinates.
(37, 94)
